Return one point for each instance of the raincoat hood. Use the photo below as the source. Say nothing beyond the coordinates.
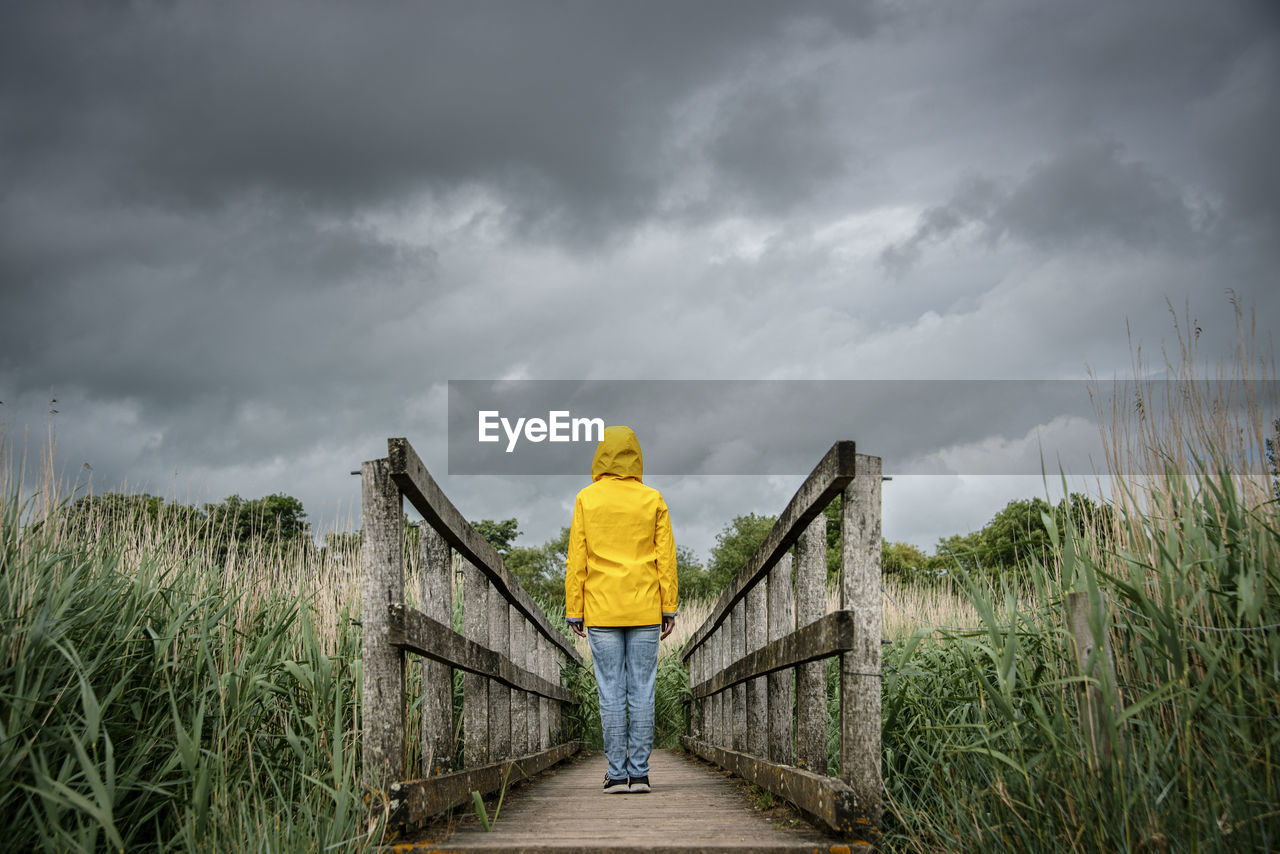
(618, 455)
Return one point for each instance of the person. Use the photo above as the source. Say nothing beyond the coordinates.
(620, 593)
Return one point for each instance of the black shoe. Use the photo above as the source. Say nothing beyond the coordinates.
(615, 787)
(639, 785)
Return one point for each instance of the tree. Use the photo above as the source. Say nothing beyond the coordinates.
(540, 569)
(281, 515)
(501, 535)
(735, 544)
(278, 515)
(1015, 534)
(118, 513)
(905, 562)
(111, 511)
(693, 580)
(960, 551)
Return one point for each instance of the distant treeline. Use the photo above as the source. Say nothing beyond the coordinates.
(233, 522)
(1012, 537)
(1015, 534)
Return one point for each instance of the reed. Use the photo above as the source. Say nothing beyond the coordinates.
(152, 700)
(986, 746)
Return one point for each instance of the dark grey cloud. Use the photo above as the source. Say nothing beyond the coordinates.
(343, 104)
(775, 148)
(248, 241)
(1086, 196)
(1095, 194)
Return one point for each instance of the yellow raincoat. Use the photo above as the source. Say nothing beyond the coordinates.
(621, 569)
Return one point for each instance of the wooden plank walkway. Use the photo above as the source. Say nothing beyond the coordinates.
(692, 808)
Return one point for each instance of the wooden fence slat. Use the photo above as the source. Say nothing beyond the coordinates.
(811, 678)
(860, 667)
(738, 638)
(780, 683)
(544, 714)
(383, 696)
(757, 634)
(557, 721)
(534, 713)
(519, 699)
(499, 694)
(475, 689)
(436, 596)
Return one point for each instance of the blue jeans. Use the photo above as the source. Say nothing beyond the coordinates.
(625, 660)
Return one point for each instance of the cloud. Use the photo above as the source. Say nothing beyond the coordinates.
(1085, 196)
(191, 105)
(1093, 195)
(245, 240)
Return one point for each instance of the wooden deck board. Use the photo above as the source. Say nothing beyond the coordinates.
(692, 808)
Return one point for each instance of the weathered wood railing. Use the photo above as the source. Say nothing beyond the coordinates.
(766, 624)
(511, 656)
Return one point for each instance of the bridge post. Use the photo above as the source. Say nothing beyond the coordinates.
(781, 623)
(757, 631)
(382, 703)
(860, 668)
(436, 596)
(499, 695)
(475, 689)
(811, 678)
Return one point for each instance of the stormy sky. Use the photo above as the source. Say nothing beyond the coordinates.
(243, 243)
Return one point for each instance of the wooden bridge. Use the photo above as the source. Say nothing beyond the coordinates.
(758, 704)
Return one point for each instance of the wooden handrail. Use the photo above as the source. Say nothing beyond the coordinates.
(417, 485)
(765, 623)
(509, 652)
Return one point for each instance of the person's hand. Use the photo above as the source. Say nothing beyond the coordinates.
(668, 626)
(578, 630)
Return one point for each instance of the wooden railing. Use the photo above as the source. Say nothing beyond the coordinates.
(766, 624)
(510, 654)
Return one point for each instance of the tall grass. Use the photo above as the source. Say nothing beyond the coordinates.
(150, 700)
(985, 740)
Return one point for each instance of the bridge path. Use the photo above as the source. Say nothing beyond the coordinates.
(693, 808)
